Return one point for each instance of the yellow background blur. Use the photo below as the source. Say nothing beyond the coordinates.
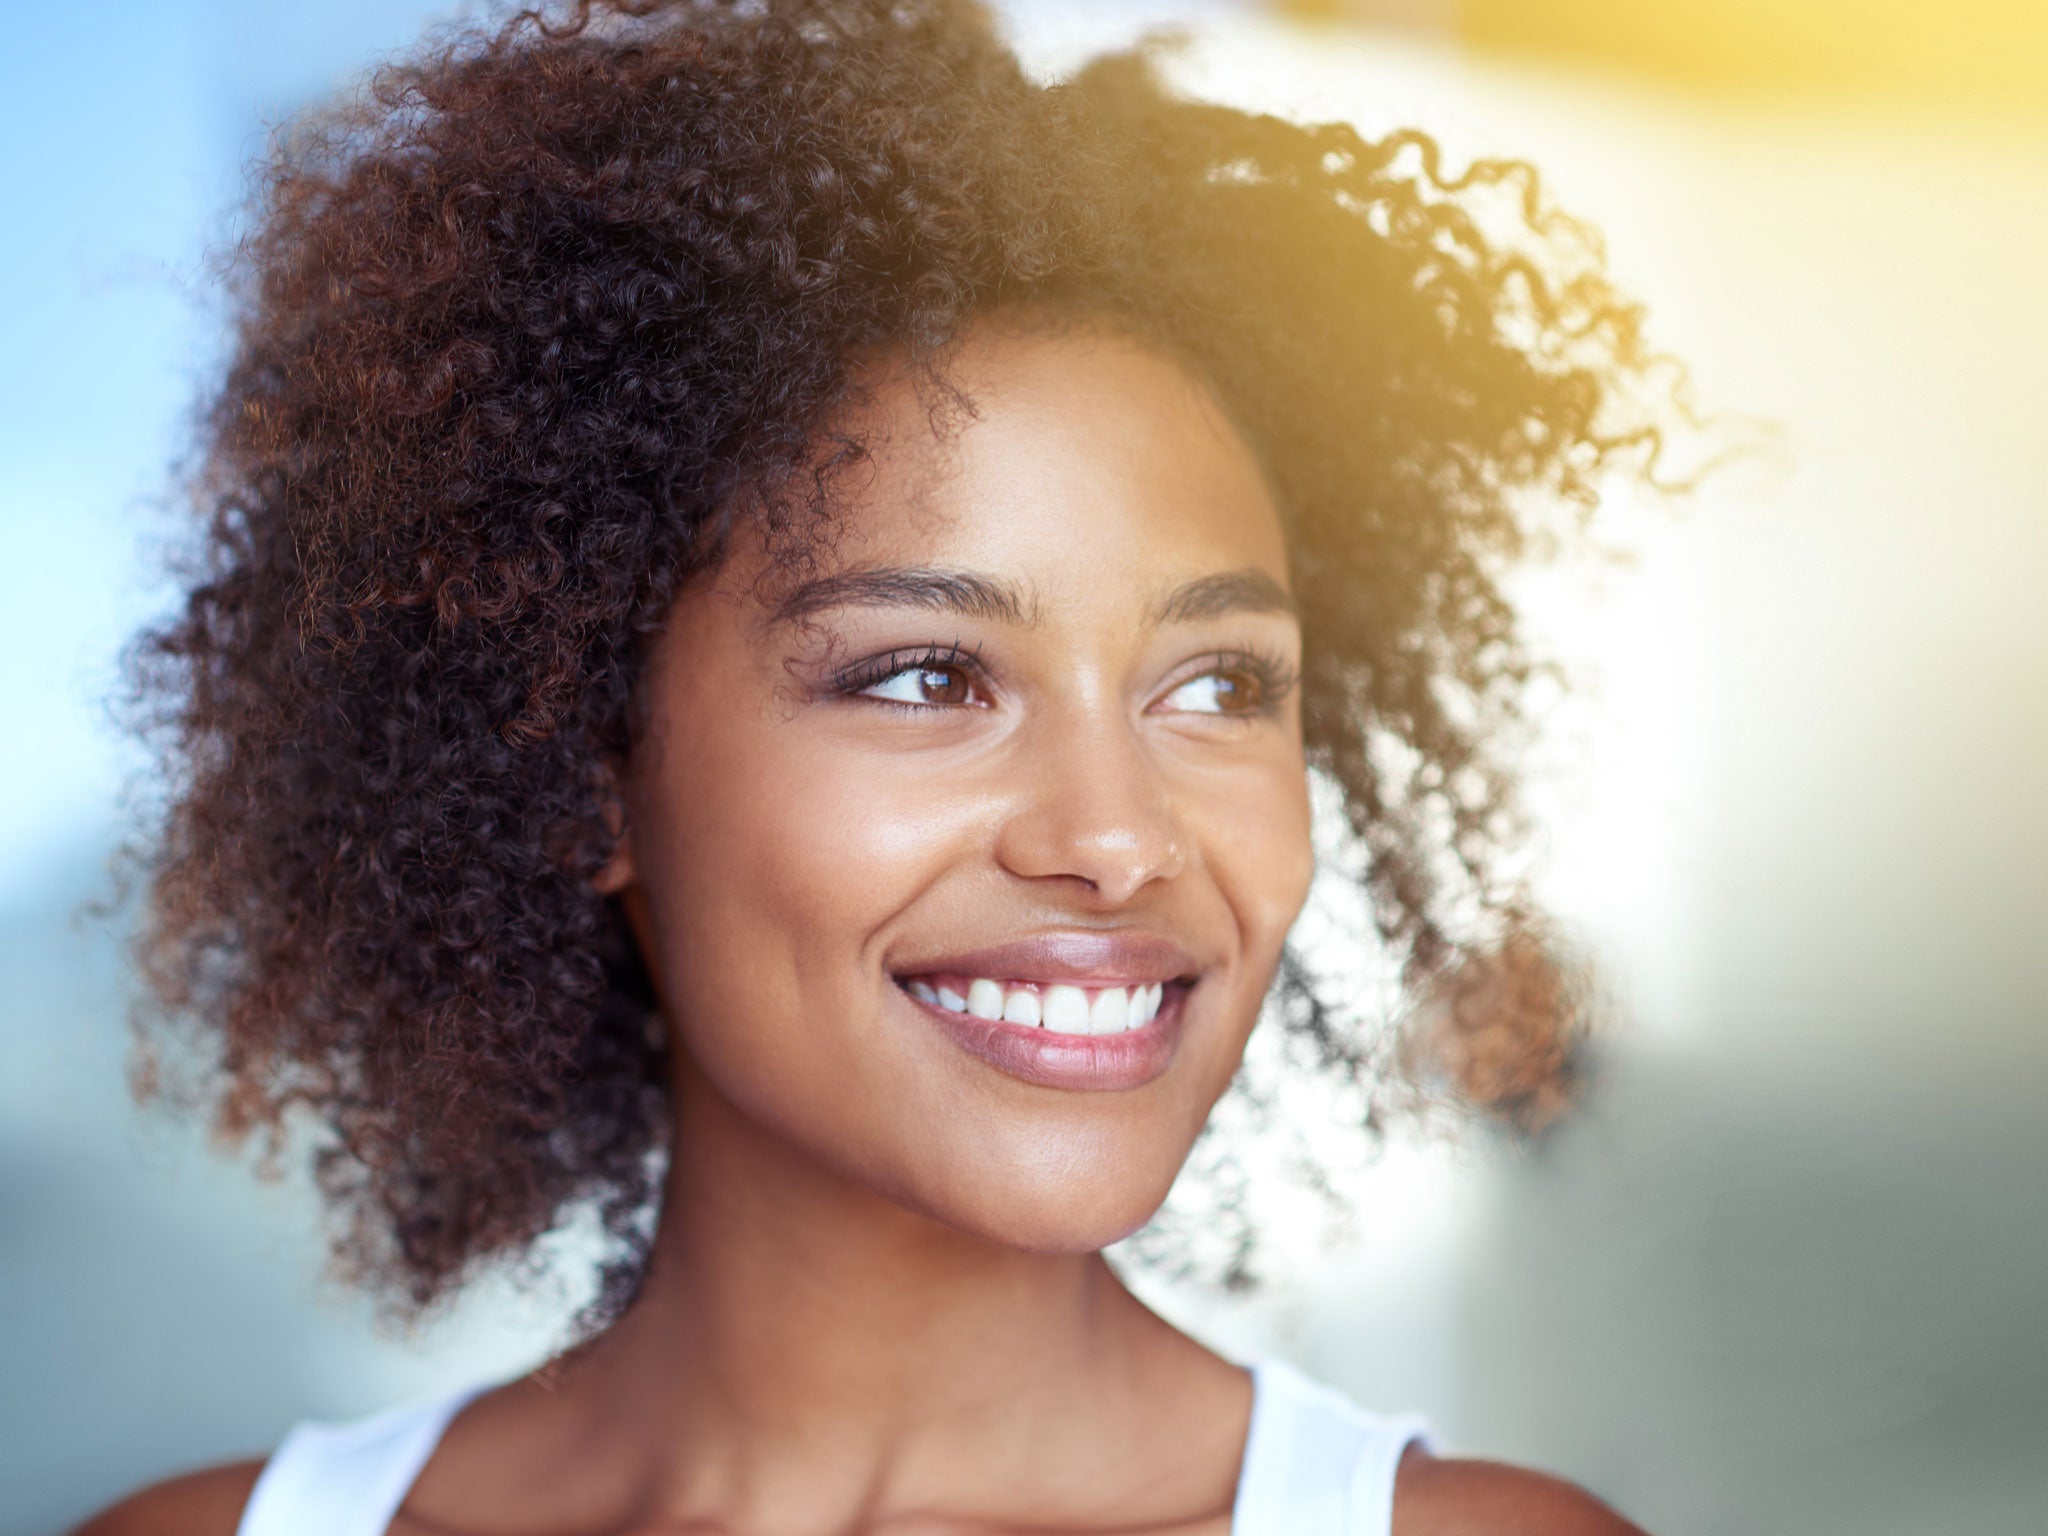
(1975, 51)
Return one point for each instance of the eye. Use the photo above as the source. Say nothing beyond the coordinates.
(929, 677)
(1217, 693)
(927, 683)
(1235, 685)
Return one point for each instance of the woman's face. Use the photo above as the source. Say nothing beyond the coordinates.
(918, 839)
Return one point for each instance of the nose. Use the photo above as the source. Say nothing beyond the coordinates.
(1091, 804)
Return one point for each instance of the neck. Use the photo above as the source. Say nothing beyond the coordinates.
(805, 1352)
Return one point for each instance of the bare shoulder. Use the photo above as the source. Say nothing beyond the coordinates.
(208, 1502)
(1452, 1496)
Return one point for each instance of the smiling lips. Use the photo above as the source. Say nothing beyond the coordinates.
(1063, 1009)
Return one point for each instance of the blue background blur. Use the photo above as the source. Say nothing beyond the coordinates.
(1785, 1272)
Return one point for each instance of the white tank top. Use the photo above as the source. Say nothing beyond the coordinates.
(1315, 1464)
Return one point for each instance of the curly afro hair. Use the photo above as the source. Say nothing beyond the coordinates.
(529, 322)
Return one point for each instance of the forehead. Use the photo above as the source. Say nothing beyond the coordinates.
(1070, 458)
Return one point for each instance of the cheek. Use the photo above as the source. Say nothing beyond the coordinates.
(822, 845)
(1256, 832)
(1290, 867)
(777, 860)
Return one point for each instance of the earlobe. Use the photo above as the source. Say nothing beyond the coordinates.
(618, 871)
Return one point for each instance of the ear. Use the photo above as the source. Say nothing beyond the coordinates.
(619, 870)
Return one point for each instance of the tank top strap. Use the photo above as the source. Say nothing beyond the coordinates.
(1315, 1462)
(348, 1478)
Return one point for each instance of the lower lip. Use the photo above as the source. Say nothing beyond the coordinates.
(1129, 1058)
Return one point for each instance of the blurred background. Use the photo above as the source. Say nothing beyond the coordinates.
(1786, 1271)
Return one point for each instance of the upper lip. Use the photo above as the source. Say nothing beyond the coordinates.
(1085, 957)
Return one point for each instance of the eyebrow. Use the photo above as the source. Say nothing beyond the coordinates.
(1245, 590)
(975, 595)
(967, 593)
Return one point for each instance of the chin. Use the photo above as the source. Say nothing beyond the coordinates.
(1057, 1211)
(1054, 1237)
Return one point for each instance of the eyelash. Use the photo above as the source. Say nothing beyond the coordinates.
(1275, 678)
(865, 674)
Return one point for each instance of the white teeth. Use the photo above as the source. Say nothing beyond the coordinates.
(1111, 1011)
(1066, 1009)
(1058, 1006)
(1145, 1004)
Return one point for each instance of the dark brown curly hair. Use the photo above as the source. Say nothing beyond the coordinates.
(526, 325)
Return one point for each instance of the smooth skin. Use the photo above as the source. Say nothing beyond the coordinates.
(877, 1301)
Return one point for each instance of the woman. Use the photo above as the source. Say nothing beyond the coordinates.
(773, 590)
